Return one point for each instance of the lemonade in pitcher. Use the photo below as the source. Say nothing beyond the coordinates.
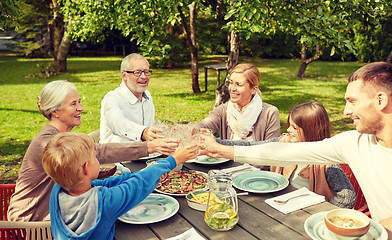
(222, 215)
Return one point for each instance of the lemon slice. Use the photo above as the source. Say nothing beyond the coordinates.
(231, 223)
(221, 215)
(233, 216)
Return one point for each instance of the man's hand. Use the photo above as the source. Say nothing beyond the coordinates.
(151, 133)
(165, 146)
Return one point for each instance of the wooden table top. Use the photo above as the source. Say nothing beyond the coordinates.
(257, 220)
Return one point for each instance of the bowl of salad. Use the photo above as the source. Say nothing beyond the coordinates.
(347, 223)
(106, 170)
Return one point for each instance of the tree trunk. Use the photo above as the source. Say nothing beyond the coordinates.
(222, 92)
(62, 40)
(305, 61)
(389, 59)
(58, 24)
(60, 62)
(302, 68)
(190, 35)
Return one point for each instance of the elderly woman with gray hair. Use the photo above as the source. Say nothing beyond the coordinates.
(60, 103)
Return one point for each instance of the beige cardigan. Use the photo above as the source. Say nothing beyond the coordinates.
(267, 125)
(30, 202)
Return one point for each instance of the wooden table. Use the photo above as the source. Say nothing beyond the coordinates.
(257, 220)
(218, 68)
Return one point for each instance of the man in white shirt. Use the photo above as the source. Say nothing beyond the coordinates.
(368, 150)
(128, 112)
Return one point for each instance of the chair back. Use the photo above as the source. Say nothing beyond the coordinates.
(361, 201)
(6, 190)
(10, 230)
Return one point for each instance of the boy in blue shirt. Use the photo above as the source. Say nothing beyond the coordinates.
(82, 207)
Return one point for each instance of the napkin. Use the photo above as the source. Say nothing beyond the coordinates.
(190, 234)
(240, 168)
(296, 203)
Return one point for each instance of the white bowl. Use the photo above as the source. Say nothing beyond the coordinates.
(195, 205)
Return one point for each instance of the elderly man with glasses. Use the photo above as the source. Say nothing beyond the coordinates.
(128, 112)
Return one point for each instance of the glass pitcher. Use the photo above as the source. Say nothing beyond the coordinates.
(222, 206)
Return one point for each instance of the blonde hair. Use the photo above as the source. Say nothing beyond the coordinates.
(130, 57)
(250, 72)
(53, 95)
(64, 157)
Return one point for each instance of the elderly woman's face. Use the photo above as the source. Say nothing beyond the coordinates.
(70, 112)
(240, 90)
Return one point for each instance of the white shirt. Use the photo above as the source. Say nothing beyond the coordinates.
(124, 117)
(370, 162)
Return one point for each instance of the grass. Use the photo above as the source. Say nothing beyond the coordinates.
(170, 88)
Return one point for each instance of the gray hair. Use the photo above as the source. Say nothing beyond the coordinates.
(53, 95)
(130, 57)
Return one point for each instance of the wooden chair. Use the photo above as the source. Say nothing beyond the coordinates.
(10, 230)
(361, 204)
(6, 190)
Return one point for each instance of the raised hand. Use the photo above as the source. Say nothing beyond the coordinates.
(185, 153)
(152, 133)
(165, 146)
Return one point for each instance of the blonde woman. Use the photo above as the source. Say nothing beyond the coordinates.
(245, 116)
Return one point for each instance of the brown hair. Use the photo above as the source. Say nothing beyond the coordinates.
(313, 119)
(64, 157)
(378, 74)
(250, 72)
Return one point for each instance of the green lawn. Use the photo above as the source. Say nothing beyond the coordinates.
(170, 88)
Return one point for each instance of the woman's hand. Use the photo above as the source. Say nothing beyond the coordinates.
(208, 145)
(165, 146)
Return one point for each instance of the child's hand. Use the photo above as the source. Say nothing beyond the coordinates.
(185, 153)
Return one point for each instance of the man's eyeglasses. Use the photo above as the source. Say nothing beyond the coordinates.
(138, 73)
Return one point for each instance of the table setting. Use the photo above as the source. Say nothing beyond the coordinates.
(281, 211)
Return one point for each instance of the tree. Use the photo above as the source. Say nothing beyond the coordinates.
(147, 21)
(372, 30)
(240, 17)
(34, 27)
(320, 24)
(8, 14)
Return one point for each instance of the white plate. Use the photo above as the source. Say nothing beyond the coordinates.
(151, 155)
(155, 208)
(184, 194)
(208, 160)
(316, 229)
(260, 181)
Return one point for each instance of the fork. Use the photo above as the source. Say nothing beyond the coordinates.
(285, 201)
